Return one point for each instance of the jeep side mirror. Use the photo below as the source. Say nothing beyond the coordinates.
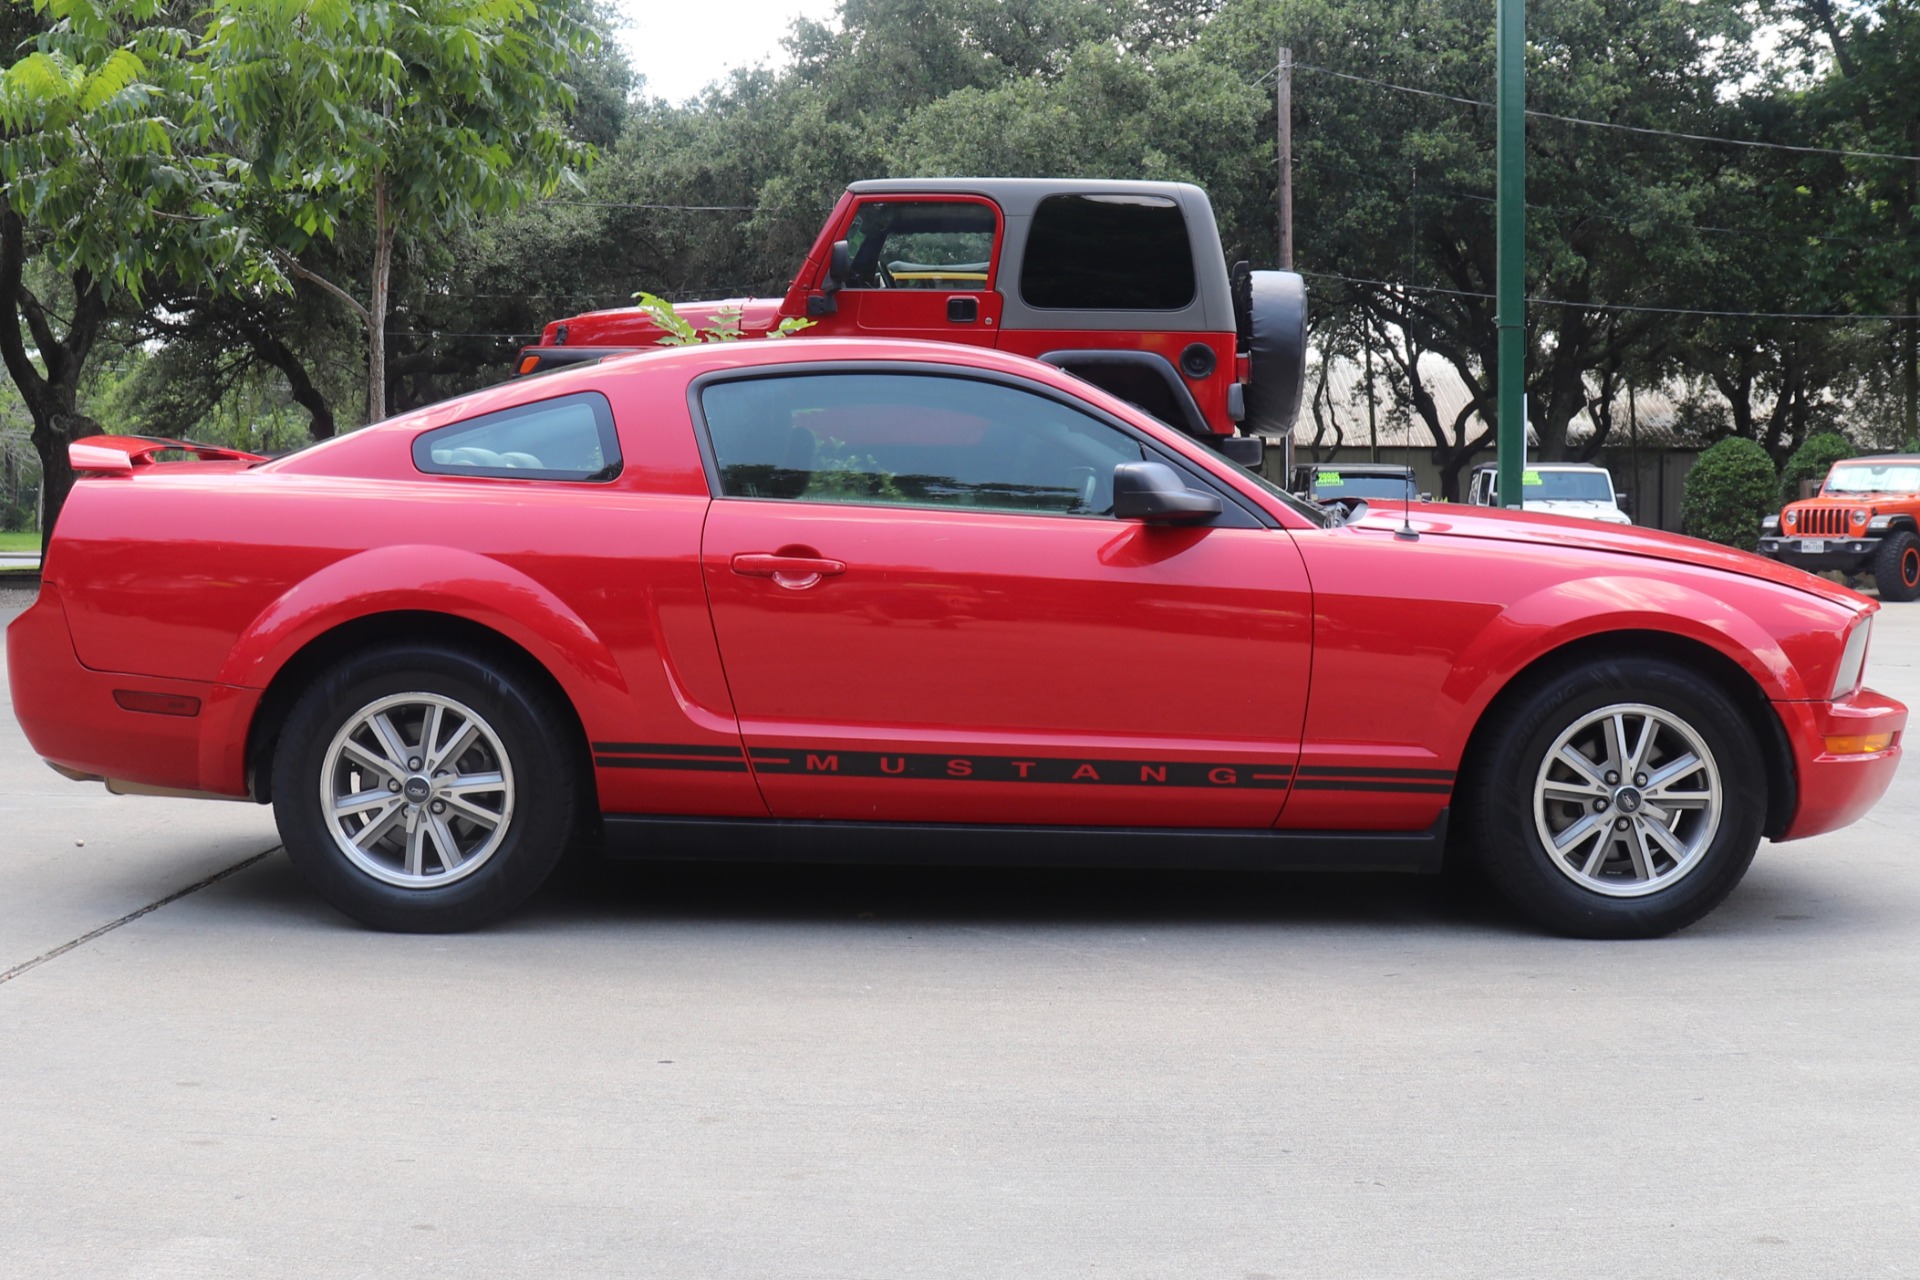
(1624, 501)
(839, 267)
(1154, 492)
(1248, 451)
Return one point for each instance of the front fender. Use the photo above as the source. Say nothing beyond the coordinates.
(432, 579)
(1564, 612)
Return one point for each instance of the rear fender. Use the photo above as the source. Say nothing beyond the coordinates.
(432, 579)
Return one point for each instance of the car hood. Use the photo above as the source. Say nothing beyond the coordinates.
(1529, 528)
(1607, 511)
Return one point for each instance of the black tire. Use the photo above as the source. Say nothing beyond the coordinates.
(518, 738)
(1896, 567)
(1505, 825)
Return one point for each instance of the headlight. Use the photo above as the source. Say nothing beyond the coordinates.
(1860, 516)
(1853, 660)
(1790, 519)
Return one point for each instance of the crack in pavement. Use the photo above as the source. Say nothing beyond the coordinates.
(10, 974)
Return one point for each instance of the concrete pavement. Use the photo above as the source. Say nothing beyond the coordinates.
(796, 1072)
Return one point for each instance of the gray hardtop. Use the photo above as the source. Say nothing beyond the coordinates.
(1211, 309)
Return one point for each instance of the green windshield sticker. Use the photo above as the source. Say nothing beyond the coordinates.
(1530, 478)
(1328, 477)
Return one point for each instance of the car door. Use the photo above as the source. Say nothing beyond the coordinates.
(926, 612)
(922, 267)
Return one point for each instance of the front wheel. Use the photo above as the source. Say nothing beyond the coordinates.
(1896, 567)
(1623, 799)
(424, 789)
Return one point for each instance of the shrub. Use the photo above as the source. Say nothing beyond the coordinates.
(1729, 490)
(1812, 460)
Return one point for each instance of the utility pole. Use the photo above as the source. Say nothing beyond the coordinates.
(1510, 271)
(1285, 112)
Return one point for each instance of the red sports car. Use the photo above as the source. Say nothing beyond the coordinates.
(848, 600)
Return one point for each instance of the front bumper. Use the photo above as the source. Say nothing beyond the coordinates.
(1836, 790)
(72, 718)
(1849, 555)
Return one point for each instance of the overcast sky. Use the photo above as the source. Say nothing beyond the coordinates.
(680, 47)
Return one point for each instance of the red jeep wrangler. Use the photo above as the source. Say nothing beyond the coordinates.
(1122, 283)
(1865, 519)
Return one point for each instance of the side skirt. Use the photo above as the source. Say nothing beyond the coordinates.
(632, 836)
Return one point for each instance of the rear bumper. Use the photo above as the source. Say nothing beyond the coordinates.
(1836, 790)
(70, 715)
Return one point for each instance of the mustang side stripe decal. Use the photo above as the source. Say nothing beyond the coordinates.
(952, 767)
(1073, 770)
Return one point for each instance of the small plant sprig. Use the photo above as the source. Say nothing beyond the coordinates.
(678, 331)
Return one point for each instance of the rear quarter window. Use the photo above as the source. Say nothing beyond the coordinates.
(1108, 253)
(566, 438)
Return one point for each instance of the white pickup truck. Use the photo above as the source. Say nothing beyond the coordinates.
(1558, 488)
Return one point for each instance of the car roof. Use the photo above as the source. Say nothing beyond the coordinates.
(1360, 468)
(1880, 457)
(1546, 466)
(1020, 196)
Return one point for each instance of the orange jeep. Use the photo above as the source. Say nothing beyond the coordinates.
(1865, 519)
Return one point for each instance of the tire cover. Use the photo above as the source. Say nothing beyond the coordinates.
(1277, 351)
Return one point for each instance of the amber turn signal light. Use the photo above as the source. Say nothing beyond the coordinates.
(528, 364)
(159, 704)
(1859, 744)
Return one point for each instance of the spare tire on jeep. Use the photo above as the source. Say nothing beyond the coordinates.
(1270, 308)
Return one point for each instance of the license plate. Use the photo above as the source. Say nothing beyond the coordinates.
(1813, 546)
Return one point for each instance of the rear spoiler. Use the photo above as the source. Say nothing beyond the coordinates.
(120, 455)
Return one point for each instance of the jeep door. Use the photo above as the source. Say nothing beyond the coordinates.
(927, 612)
(922, 267)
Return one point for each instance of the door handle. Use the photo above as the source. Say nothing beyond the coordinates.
(793, 572)
(962, 310)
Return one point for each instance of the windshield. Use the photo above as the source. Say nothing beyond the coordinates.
(1862, 477)
(1337, 484)
(1293, 501)
(1566, 486)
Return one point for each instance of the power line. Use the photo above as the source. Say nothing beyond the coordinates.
(1609, 124)
(1615, 306)
(676, 208)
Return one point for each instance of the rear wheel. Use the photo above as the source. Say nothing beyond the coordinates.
(424, 789)
(1619, 800)
(1896, 567)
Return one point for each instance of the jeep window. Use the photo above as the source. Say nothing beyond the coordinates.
(568, 438)
(922, 244)
(1108, 253)
(911, 440)
(1862, 477)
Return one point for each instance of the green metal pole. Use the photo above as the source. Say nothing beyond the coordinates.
(1510, 304)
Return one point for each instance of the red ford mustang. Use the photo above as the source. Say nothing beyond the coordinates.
(849, 600)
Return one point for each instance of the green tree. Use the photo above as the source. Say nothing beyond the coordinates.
(1812, 461)
(1729, 491)
(399, 119)
(108, 186)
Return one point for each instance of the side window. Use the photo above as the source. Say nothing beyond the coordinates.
(911, 440)
(922, 244)
(569, 438)
(1108, 253)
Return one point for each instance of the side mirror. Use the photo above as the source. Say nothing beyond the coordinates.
(1624, 501)
(1154, 492)
(1248, 451)
(1426, 497)
(839, 267)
